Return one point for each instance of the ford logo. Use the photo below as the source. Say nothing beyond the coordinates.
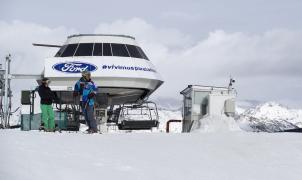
(74, 67)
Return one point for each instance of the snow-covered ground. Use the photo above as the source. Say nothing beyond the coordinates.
(223, 152)
(35, 155)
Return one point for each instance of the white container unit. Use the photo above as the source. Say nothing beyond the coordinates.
(203, 101)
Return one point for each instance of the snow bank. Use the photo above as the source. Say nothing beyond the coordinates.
(216, 124)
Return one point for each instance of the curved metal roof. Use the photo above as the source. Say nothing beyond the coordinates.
(114, 35)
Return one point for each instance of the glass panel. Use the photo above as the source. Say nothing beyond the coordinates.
(142, 53)
(187, 105)
(204, 107)
(119, 50)
(98, 49)
(84, 49)
(106, 49)
(69, 51)
(134, 51)
(59, 53)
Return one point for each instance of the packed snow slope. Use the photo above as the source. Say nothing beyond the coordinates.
(36, 155)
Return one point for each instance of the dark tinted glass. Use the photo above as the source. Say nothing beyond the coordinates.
(98, 49)
(119, 50)
(142, 53)
(59, 53)
(106, 49)
(133, 51)
(69, 51)
(84, 49)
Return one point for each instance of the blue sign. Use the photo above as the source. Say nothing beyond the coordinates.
(74, 67)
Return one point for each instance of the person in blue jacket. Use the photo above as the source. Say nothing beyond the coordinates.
(87, 90)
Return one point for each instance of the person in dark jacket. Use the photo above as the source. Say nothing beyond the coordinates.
(47, 97)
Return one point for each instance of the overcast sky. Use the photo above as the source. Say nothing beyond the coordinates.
(190, 42)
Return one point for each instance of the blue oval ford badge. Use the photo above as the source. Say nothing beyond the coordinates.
(74, 67)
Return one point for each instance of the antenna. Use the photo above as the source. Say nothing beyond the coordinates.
(231, 83)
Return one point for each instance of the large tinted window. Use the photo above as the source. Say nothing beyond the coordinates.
(101, 49)
(134, 51)
(84, 49)
(119, 50)
(69, 51)
(59, 53)
(142, 53)
(106, 49)
(98, 49)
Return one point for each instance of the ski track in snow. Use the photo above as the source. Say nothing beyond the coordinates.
(31, 155)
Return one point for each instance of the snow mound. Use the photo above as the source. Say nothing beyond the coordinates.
(239, 110)
(216, 124)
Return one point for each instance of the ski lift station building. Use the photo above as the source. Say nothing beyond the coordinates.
(119, 67)
(203, 101)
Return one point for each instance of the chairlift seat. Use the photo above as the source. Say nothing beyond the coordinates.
(138, 124)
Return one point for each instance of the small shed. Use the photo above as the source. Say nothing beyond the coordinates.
(202, 101)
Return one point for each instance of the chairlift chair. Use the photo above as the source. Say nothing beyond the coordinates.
(138, 116)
